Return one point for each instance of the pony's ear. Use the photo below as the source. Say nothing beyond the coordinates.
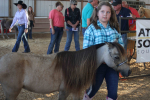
(116, 40)
(139, 6)
(110, 46)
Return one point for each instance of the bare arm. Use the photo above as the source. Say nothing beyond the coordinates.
(88, 22)
(51, 24)
(76, 23)
(69, 23)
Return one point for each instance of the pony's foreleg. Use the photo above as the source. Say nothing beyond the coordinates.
(63, 95)
(10, 92)
(7, 34)
(2, 31)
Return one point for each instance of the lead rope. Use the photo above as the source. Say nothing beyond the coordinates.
(24, 34)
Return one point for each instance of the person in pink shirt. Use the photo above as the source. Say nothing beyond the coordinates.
(135, 14)
(56, 19)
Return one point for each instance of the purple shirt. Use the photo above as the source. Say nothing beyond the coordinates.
(21, 17)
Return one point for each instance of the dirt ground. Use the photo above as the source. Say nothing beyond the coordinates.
(130, 89)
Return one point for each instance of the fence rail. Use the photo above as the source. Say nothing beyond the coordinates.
(128, 18)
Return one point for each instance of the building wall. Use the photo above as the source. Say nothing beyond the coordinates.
(14, 8)
(146, 2)
(43, 7)
(4, 8)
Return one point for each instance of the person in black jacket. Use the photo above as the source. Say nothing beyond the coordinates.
(72, 18)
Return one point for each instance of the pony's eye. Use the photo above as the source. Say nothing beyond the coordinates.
(116, 57)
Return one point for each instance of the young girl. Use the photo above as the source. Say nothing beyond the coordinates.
(31, 18)
(103, 28)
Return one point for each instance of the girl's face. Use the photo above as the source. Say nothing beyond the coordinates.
(30, 8)
(19, 6)
(104, 14)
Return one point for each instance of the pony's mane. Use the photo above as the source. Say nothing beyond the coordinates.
(121, 51)
(143, 8)
(79, 67)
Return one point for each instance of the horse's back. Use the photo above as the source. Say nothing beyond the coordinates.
(6, 23)
(13, 58)
(31, 71)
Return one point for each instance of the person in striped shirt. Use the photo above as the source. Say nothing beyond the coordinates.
(103, 28)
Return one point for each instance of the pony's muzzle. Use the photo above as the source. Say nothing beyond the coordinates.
(125, 73)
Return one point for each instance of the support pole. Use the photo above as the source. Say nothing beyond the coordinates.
(9, 15)
(81, 13)
(35, 7)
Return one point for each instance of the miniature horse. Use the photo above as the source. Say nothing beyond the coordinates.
(66, 72)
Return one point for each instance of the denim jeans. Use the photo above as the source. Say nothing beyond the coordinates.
(111, 77)
(55, 40)
(26, 45)
(30, 30)
(83, 30)
(69, 39)
(125, 41)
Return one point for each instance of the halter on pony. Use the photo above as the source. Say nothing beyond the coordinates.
(113, 59)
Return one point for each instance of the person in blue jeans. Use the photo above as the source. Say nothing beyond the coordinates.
(32, 21)
(72, 18)
(103, 28)
(69, 39)
(22, 26)
(55, 40)
(56, 19)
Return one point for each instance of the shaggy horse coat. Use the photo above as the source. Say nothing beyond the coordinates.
(67, 71)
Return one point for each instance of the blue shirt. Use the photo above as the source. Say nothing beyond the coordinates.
(124, 12)
(86, 14)
(94, 36)
(21, 17)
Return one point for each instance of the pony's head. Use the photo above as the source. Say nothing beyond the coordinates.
(141, 11)
(116, 58)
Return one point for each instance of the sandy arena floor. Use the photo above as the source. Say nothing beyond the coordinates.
(130, 89)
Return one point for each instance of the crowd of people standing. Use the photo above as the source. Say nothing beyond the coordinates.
(99, 25)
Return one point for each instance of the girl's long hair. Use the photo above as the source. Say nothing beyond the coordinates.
(31, 10)
(113, 19)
